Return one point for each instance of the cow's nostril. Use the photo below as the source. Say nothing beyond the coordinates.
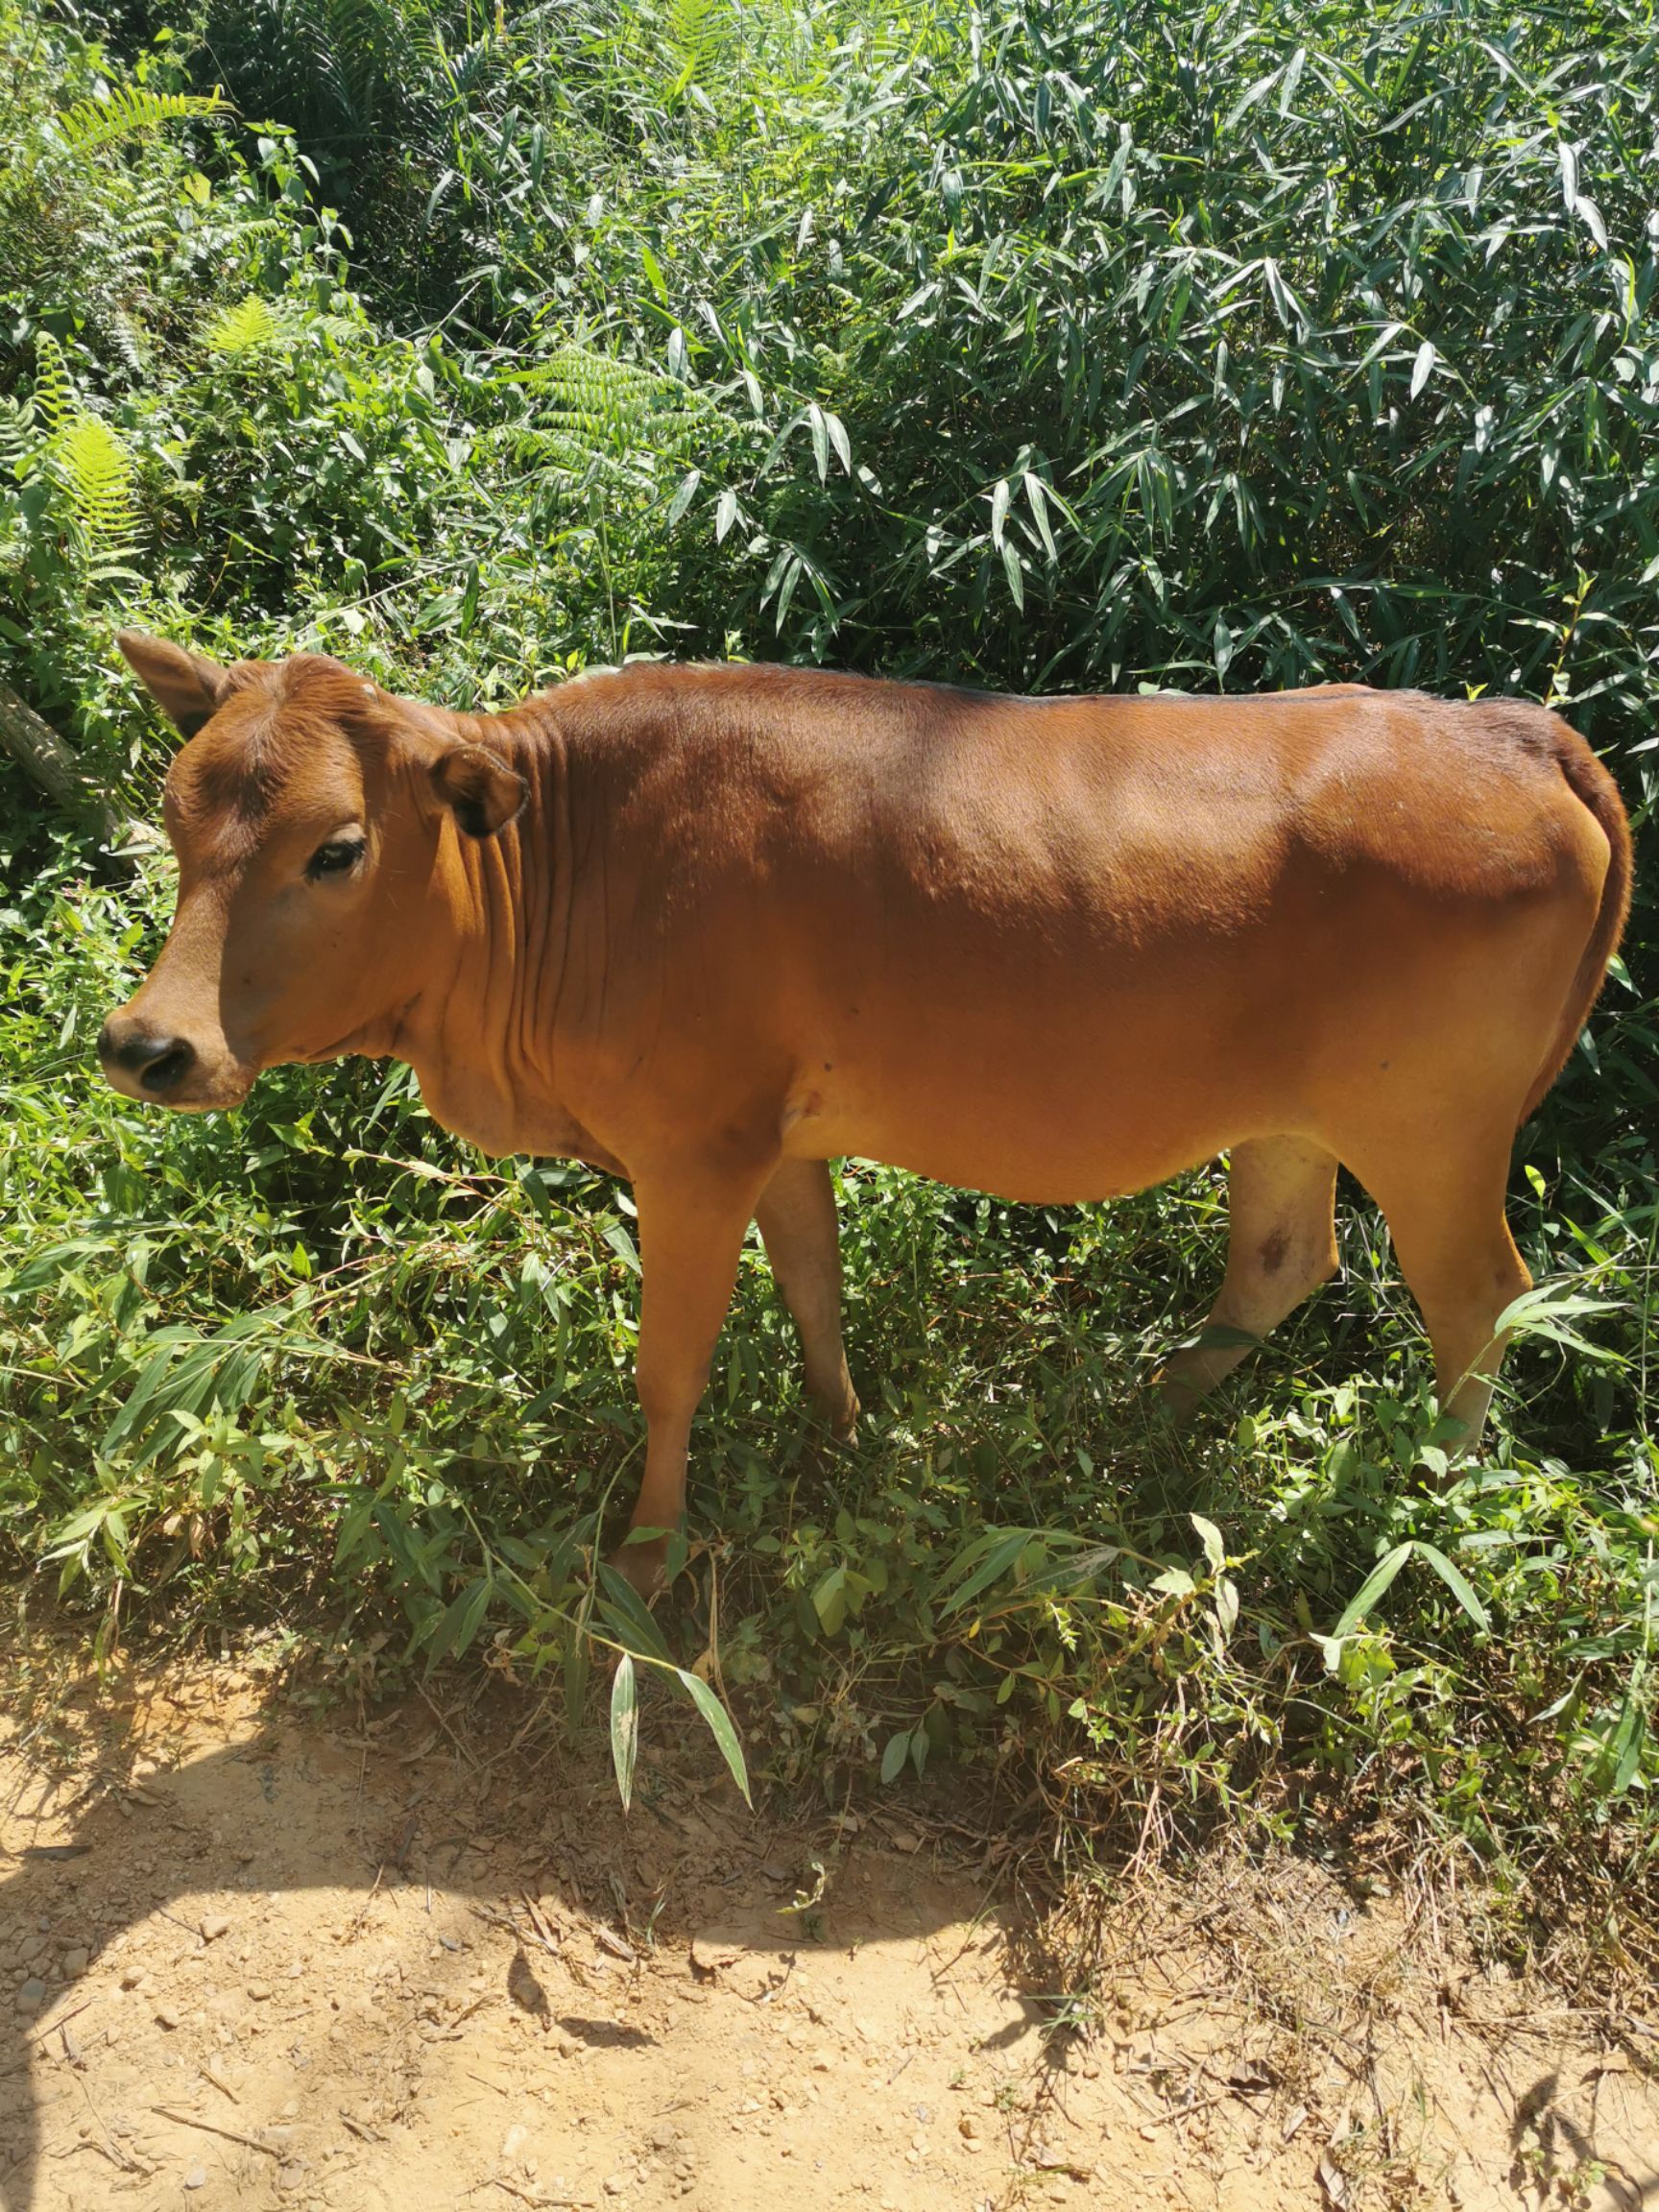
(160, 1063)
(169, 1068)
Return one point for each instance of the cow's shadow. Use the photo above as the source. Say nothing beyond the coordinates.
(495, 1815)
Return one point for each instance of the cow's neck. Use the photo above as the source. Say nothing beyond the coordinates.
(482, 1036)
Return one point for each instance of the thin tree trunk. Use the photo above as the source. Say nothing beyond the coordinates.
(49, 764)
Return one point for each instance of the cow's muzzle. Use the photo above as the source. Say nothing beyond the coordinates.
(141, 1061)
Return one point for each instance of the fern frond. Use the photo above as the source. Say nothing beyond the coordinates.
(598, 409)
(129, 112)
(55, 399)
(96, 471)
(246, 328)
(697, 34)
(19, 438)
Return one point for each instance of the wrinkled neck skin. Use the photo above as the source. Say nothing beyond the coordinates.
(481, 1031)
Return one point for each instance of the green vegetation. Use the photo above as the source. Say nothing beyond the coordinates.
(1043, 344)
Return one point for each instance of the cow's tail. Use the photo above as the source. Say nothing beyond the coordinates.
(1594, 790)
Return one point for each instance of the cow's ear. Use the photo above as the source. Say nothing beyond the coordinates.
(478, 786)
(188, 688)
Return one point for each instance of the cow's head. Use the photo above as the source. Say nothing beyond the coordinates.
(309, 812)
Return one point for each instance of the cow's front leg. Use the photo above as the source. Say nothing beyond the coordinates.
(692, 1230)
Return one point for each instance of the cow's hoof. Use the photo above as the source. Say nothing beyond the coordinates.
(643, 1566)
(842, 1420)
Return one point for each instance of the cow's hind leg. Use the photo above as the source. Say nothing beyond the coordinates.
(1283, 1245)
(796, 1213)
(1445, 1212)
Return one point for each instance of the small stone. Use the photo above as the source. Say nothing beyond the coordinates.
(259, 1991)
(969, 2128)
(710, 1955)
(664, 2138)
(76, 1963)
(290, 2176)
(214, 1925)
(196, 2178)
(168, 2016)
(31, 1995)
(615, 2184)
(132, 1977)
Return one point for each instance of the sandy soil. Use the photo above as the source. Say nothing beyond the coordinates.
(252, 1957)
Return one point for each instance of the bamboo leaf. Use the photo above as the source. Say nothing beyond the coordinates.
(720, 1728)
(624, 1727)
(1379, 1579)
(1455, 1583)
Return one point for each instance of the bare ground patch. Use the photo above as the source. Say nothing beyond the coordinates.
(252, 1955)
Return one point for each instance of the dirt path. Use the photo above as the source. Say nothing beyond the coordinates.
(294, 1962)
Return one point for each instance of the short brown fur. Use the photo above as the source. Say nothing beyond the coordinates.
(713, 927)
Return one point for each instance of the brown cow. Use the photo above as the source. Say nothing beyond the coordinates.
(711, 927)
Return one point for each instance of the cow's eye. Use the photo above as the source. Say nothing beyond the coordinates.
(334, 857)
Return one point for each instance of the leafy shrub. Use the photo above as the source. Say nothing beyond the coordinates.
(1219, 346)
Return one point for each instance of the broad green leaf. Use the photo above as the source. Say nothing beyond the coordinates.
(1210, 1536)
(1381, 1577)
(459, 1623)
(829, 1600)
(1454, 1582)
(1014, 572)
(720, 1728)
(624, 1727)
(684, 496)
(992, 1554)
(627, 1616)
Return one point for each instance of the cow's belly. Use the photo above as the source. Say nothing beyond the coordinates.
(1095, 1095)
(1042, 1144)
